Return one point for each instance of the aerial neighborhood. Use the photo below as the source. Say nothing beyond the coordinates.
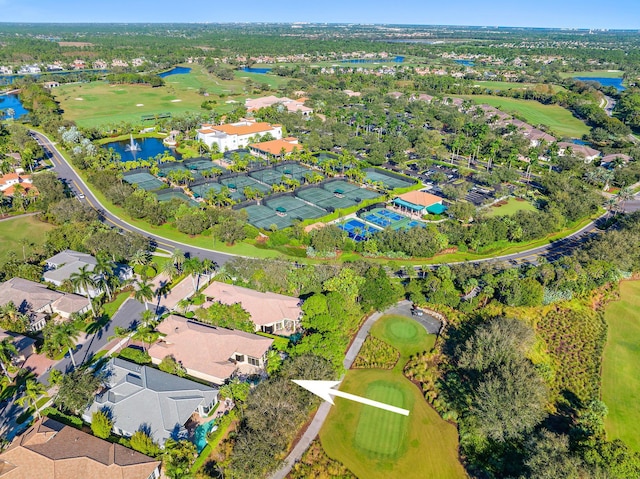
(299, 250)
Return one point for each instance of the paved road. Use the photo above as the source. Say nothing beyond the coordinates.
(67, 173)
(88, 346)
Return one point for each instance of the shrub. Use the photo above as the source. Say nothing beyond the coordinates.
(136, 355)
(375, 353)
(171, 365)
(142, 442)
(101, 424)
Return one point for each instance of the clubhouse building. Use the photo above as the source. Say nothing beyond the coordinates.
(234, 136)
(420, 203)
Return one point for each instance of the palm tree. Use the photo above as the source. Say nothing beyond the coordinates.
(64, 336)
(178, 258)
(104, 269)
(7, 351)
(169, 268)
(184, 304)
(208, 267)
(32, 393)
(143, 292)
(13, 318)
(193, 266)
(84, 280)
(624, 195)
(140, 258)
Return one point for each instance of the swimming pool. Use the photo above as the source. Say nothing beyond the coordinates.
(200, 435)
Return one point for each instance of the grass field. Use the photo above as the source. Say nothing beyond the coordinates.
(505, 85)
(374, 443)
(621, 366)
(513, 206)
(595, 73)
(558, 119)
(15, 230)
(98, 103)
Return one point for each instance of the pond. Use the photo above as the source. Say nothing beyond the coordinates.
(466, 63)
(255, 70)
(9, 79)
(13, 102)
(149, 148)
(614, 82)
(175, 71)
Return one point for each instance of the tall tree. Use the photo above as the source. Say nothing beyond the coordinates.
(32, 392)
(65, 335)
(84, 280)
(143, 292)
(7, 351)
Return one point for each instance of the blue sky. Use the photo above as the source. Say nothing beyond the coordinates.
(537, 13)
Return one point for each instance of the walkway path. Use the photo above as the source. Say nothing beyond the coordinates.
(323, 411)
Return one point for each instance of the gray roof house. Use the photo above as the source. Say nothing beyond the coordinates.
(141, 397)
(60, 267)
(39, 302)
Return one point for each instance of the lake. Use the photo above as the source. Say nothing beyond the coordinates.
(150, 148)
(255, 70)
(614, 82)
(12, 101)
(175, 71)
(466, 63)
(9, 79)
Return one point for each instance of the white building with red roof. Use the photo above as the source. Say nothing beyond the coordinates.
(238, 135)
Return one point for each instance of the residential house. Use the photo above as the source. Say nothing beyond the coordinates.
(237, 135)
(50, 84)
(29, 69)
(116, 63)
(589, 154)
(78, 64)
(270, 312)
(39, 302)
(292, 106)
(23, 344)
(536, 137)
(6, 70)
(51, 450)
(141, 397)
(210, 353)
(612, 159)
(275, 148)
(352, 93)
(100, 65)
(9, 181)
(61, 267)
(395, 95)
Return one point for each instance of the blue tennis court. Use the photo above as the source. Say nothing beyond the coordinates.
(377, 220)
(357, 230)
(415, 224)
(391, 215)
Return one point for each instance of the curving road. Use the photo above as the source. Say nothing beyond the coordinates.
(550, 252)
(66, 172)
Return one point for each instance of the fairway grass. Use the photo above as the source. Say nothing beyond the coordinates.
(505, 85)
(621, 366)
(559, 120)
(13, 231)
(512, 207)
(594, 73)
(378, 444)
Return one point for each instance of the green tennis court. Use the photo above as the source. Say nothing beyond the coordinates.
(145, 181)
(263, 217)
(166, 195)
(387, 180)
(241, 182)
(326, 199)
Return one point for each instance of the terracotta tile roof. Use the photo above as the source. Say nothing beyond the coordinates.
(51, 450)
(421, 198)
(8, 177)
(240, 129)
(204, 348)
(275, 147)
(265, 308)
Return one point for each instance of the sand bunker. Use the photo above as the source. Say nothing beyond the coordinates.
(175, 101)
(79, 99)
(140, 104)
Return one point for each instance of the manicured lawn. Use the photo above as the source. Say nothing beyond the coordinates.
(513, 206)
(505, 85)
(111, 308)
(377, 444)
(374, 443)
(595, 73)
(15, 230)
(558, 119)
(621, 366)
(99, 103)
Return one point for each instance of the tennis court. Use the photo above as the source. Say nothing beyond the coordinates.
(200, 191)
(293, 170)
(350, 190)
(357, 230)
(241, 182)
(388, 181)
(292, 206)
(165, 168)
(385, 218)
(200, 164)
(166, 195)
(325, 199)
(268, 176)
(263, 217)
(145, 181)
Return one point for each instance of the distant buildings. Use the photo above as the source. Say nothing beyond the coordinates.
(589, 154)
(29, 69)
(292, 106)
(210, 353)
(50, 84)
(51, 450)
(141, 397)
(237, 135)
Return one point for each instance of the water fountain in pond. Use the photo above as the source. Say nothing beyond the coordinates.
(133, 147)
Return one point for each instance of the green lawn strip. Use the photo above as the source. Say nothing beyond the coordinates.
(13, 231)
(558, 119)
(405, 334)
(621, 366)
(111, 307)
(513, 206)
(505, 85)
(594, 73)
(379, 444)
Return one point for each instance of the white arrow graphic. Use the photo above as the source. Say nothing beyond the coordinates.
(325, 391)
